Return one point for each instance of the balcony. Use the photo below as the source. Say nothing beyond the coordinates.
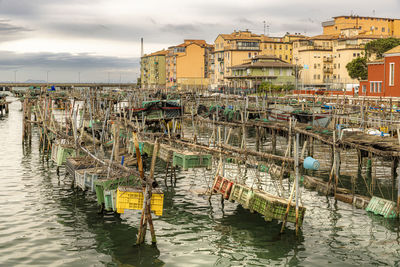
(220, 59)
(328, 70)
(328, 59)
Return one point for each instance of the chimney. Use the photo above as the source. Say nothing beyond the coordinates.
(141, 47)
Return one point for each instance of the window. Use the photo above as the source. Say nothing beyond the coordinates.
(391, 74)
(379, 87)
(315, 66)
(319, 76)
(338, 65)
(354, 54)
(286, 47)
(319, 65)
(249, 55)
(364, 88)
(371, 87)
(383, 29)
(315, 76)
(286, 57)
(280, 56)
(334, 66)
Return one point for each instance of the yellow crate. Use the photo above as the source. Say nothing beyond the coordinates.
(132, 198)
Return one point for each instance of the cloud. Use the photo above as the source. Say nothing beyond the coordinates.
(12, 60)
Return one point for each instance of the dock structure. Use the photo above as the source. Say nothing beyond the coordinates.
(102, 137)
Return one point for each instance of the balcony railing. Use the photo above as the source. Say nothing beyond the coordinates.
(328, 59)
(328, 70)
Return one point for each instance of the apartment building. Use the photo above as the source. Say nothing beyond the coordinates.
(366, 25)
(280, 47)
(152, 69)
(323, 58)
(230, 50)
(188, 64)
(260, 69)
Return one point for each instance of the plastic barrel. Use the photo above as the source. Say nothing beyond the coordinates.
(311, 164)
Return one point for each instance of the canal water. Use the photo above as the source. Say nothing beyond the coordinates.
(44, 222)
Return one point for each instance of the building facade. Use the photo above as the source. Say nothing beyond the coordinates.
(323, 58)
(230, 50)
(152, 70)
(383, 76)
(260, 69)
(188, 64)
(367, 25)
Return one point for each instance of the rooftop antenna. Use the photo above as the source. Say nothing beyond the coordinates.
(264, 26)
(141, 47)
(373, 12)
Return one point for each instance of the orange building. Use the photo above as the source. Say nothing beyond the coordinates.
(367, 25)
(188, 64)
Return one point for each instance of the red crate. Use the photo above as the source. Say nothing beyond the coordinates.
(226, 188)
(217, 184)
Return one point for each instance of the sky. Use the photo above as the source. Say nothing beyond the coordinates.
(99, 40)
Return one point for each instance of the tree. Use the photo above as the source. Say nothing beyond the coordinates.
(357, 68)
(380, 46)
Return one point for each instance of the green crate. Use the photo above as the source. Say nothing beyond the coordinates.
(384, 207)
(188, 161)
(154, 114)
(148, 148)
(274, 208)
(242, 194)
(112, 184)
(63, 153)
(110, 200)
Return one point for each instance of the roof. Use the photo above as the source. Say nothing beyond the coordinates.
(393, 50)
(277, 63)
(321, 37)
(366, 17)
(188, 42)
(240, 35)
(158, 53)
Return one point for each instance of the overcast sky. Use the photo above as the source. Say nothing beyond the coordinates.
(99, 40)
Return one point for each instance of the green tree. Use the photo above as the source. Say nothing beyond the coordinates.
(357, 68)
(380, 46)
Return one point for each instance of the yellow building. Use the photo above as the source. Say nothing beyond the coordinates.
(280, 47)
(323, 58)
(240, 46)
(230, 50)
(152, 69)
(188, 65)
(366, 25)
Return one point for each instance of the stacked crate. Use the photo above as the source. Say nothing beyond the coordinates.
(64, 152)
(80, 179)
(166, 152)
(188, 160)
(77, 163)
(148, 148)
(242, 194)
(104, 184)
(132, 198)
(92, 175)
(223, 186)
(274, 208)
(110, 200)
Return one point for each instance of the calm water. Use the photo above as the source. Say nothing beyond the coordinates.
(43, 222)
